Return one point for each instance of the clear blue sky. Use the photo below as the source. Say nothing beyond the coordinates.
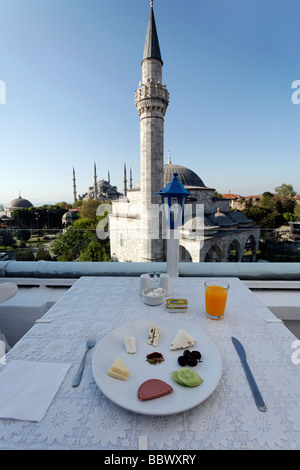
(71, 68)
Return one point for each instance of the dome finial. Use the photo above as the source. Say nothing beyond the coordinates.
(169, 162)
(151, 3)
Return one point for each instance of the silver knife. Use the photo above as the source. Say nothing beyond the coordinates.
(254, 388)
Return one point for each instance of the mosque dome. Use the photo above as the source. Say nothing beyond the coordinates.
(69, 217)
(19, 203)
(186, 176)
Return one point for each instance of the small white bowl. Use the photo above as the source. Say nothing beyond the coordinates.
(150, 298)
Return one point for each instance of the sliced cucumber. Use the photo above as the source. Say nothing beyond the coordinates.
(187, 377)
(175, 377)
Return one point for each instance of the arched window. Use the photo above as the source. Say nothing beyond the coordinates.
(233, 252)
(249, 254)
(213, 255)
(184, 255)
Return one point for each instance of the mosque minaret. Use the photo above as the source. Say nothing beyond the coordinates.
(152, 99)
(225, 233)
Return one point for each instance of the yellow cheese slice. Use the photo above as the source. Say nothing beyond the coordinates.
(118, 370)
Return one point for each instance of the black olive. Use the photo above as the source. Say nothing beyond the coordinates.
(196, 355)
(187, 353)
(192, 361)
(182, 360)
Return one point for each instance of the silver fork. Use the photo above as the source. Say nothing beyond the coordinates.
(89, 345)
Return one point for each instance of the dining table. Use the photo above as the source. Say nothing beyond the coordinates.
(86, 417)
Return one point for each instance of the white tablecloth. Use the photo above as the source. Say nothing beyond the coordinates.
(83, 418)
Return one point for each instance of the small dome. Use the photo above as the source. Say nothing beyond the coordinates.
(240, 219)
(202, 224)
(70, 215)
(19, 203)
(222, 220)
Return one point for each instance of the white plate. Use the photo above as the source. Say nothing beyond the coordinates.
(124, 393)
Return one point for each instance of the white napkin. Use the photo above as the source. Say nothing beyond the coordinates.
(2, 348)
(27, 388)
(7, 290)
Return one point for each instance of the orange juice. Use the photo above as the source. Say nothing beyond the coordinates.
(215, 299)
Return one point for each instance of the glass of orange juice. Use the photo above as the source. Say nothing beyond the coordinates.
(215, 298)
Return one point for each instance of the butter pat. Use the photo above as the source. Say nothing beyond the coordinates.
(176, 305)
(118, 370)
(182, 340)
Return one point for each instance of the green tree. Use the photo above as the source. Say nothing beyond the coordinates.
(23, 234)
(43, 254)
(285, 190)
(6, 238)
(264, 217)
(94, 252)
(47, 216)
(84, 223)
(89, 209)
(69, 245)
(297, 212)
(24, 255)
(80, 243)
(267, 200)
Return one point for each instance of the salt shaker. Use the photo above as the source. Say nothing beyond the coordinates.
(165, 283)
(145, 281)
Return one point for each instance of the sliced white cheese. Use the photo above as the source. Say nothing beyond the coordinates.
(153, 335)
(182, 340)
(130, 345)
(156, 336)
(118, 370)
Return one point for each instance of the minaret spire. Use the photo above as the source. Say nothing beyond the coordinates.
(151, 48)
(130, 180)
(125, 181)
(95, 182)
(74, 186)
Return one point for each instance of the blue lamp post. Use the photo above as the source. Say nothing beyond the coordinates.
(174, 197)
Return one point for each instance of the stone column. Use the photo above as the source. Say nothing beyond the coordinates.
(152, 99)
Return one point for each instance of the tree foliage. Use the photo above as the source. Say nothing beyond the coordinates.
(80, 243)
(39, 217)
(6, 238)
(285, 190)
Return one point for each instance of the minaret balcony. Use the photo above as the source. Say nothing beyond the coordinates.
(152, 98)
(152, 90)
